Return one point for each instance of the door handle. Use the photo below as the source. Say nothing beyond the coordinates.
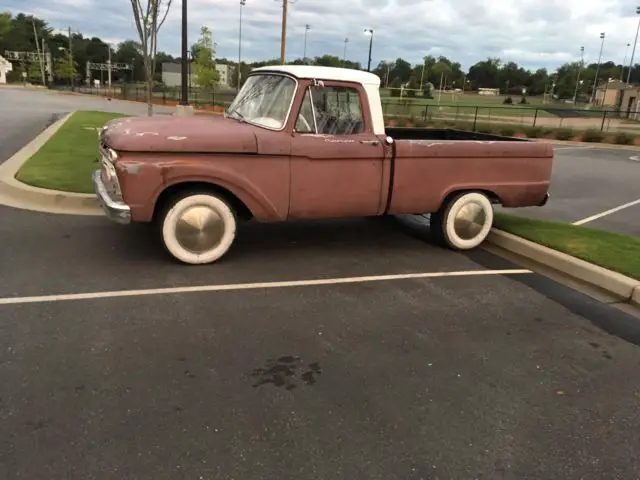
(370, 142)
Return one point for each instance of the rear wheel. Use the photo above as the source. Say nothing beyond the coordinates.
(197, 227)
(463, 222)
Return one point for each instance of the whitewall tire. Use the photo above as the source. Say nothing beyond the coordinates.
(464, 222)
(198, 228)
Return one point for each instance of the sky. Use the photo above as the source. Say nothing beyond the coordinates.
(534, 33)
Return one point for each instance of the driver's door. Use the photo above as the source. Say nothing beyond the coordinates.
(336, 160)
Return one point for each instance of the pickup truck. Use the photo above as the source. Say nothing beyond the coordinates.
(308, 142)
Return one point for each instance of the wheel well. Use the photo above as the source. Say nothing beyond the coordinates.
(235, 203)
(493, 198)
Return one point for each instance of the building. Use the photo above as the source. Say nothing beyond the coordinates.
(609, 94)
(630, 102)
(489, 91)
(171, 75)
(5, 67)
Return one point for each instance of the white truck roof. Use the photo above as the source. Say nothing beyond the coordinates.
(369, 81)
(324, 73)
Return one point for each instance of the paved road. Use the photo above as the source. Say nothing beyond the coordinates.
(25, 113)
(463, 377)
(588, 181)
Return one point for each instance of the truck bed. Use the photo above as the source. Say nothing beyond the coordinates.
(408, 133)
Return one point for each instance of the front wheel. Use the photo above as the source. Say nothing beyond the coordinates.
(198, 227)
(463, 222)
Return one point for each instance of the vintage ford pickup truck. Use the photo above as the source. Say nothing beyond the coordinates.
(306, 142)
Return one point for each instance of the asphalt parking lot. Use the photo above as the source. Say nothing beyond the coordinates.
(293, 359)
(488, 376)
(589, 181)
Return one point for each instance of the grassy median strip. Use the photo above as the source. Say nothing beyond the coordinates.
(620, 253)
(67, 160)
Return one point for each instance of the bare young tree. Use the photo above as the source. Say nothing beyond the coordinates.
(148, 22)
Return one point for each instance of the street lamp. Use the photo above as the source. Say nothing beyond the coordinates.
(626, 52)
(580, 67)
(369, 31)
(184, 100)
(633, 52)
(242, 4)
(307, 27)
(595, 81)
(344, 54)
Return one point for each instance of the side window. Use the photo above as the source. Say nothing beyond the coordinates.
(305, 122)
(331, 111)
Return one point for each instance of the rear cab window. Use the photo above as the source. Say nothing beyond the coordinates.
(331, 110)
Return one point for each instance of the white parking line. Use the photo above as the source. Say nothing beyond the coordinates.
(251, 286)
(606, 212)
(635, 158)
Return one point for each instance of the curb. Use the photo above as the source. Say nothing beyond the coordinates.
(612, 282)
(16, 194)
(594, 145)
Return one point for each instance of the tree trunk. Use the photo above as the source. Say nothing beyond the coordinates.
(149, 88)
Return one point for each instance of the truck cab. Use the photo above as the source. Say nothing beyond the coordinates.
(307, 142)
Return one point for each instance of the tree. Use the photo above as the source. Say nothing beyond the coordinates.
(5, 25)
(149, 20)
(65, 68)
(204, 67)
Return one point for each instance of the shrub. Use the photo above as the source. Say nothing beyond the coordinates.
(507, 130)
(564, 133)
(533, 132)
(623, 138)
(523, 100)
(418, 122)
(591, 135)
(508, 101)
(401, 122)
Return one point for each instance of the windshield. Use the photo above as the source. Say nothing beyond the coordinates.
(264, 100)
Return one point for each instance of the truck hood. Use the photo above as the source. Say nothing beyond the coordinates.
(191, 134)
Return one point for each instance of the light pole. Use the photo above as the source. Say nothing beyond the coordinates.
(595, 81)
(626, 52)
(633, 51)
(242, 4)
(184, 100)
(306, 29)
(344, 54)
(369, 31)
(109, 65)
(424, 63)
(580, 67)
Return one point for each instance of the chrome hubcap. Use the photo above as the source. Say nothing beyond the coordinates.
(199, 229)
(469, 220)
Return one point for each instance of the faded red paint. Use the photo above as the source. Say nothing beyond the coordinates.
(283, 175)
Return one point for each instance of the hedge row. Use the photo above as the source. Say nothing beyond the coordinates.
(564, 133)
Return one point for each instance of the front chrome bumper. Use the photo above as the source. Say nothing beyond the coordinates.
(116, 211)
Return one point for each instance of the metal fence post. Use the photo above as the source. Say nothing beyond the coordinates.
(213, 98)
(426, 111)
(535, 118)
(164, 97)
(604, 117)
(475, 119)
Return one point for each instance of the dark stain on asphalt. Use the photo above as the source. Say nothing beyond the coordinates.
(286, 372)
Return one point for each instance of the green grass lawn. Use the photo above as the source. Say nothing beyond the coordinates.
(620, 253)
(68, 159)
